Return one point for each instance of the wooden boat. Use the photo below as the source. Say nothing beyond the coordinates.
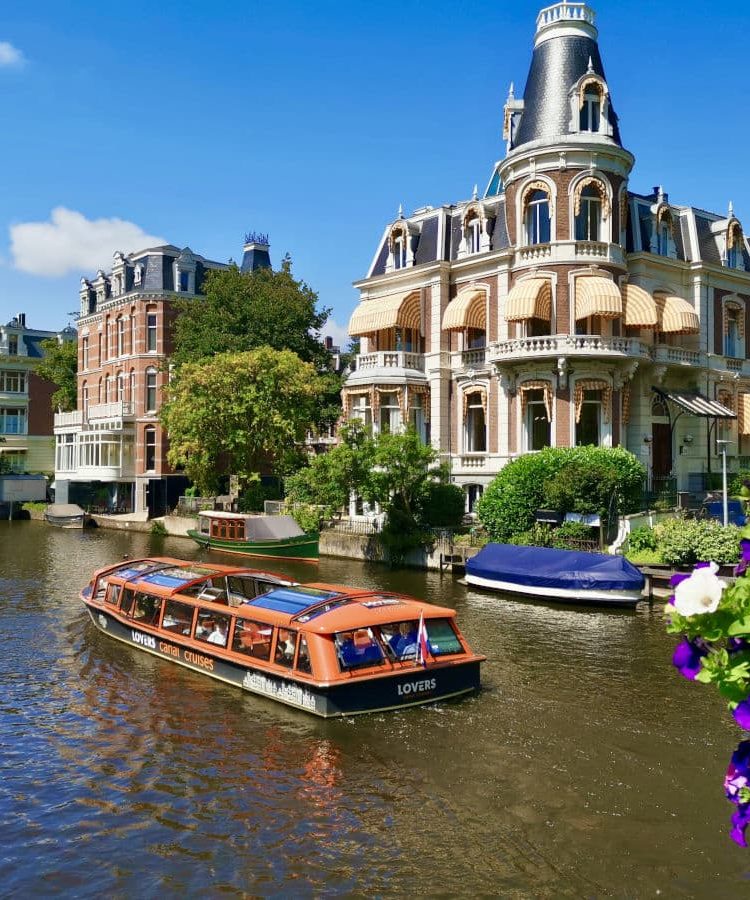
(65, 515)
(328, 650)
(277, 537)
(546, 573)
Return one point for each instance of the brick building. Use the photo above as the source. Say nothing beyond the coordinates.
(25, 398)
(111, 452)
(560, 307)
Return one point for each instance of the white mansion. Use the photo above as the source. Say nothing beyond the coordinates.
(560, 307)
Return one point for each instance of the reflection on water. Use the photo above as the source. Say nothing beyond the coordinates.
(585, 767)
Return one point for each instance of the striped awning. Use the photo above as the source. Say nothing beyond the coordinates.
(529, 299)
(743, 413)
(676, 315)
(597, 296)
(640, 307)
(466, 310)
(697, 404)
(391, 311)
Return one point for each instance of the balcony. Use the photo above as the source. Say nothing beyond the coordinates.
(580, 345)
(390, 359)
(98, 414)
(73, 419)
(666, 354)
(570, 252)
(119, 409)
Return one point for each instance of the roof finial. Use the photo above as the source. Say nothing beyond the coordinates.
(590, 70)
(660, 194)
(475, 193)
(400, 211)
(731, 210)
(511, 95)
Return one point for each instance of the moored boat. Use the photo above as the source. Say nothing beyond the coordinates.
(65, 515)
(325, 649)
(276, 537)
(546, 573)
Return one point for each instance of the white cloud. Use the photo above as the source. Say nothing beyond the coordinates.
(10, 56)
(337, 332)
(69, 242)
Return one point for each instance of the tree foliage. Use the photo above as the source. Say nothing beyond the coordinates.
(239, 412)
(60, 366)
(531, 482)
(242, 311)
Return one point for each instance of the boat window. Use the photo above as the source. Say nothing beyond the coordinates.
(101, 589)
(401, 639)
(178, 617)
(358, 648)
(126, 602)
(252, 639)
(286, 644)
(113, 594)
(241, 530)
(146, 610)
(303, 656)
(205, 525)
(442, 638)
(212, 628)
(245, 588)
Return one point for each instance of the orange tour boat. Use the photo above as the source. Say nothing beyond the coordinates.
(329, 650)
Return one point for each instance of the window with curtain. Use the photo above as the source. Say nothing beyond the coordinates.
(150, 390)
(589, 218)
(588, 427)
(537, 218)
(475, 425)
(590, 111)
(538, 426)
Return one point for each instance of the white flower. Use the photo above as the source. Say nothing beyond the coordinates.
(700, 593)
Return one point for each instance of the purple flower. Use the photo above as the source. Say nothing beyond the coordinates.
(740, 821)
(687, 658)
(738, 772)
(741, 714)
(736, 645)
(744, 557)
(678, 577)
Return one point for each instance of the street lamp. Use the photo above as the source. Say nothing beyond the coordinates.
(725, 506)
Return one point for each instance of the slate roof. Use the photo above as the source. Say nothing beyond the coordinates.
(556, 65)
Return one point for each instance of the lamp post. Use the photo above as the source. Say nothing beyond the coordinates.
(725, 503)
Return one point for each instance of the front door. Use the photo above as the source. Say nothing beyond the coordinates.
(661, 463)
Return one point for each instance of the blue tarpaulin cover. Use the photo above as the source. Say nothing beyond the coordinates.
(543, 567)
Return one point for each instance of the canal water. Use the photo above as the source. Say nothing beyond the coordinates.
(585, 768)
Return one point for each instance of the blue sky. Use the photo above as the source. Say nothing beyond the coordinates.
(198, 121)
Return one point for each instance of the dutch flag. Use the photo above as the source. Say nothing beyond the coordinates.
(422, 645)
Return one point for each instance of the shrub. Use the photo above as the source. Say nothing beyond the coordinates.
(305, 515)
(441, 505)
(158, 529)
(739, 484)
(401, 534)
(508, 505)
(537, 536)
(642, 538)
(569, 534)
(645, 557)
(683, 542)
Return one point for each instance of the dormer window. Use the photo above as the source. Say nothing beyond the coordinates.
(537, 218)
(589, 215)
(138, 275)
(399, 252)
(735, 259)
(473, 234)
(591, 108)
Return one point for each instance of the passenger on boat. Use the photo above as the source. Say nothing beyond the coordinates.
(404, 642)
(218, 635)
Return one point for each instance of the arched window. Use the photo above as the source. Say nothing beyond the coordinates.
(85, 399)
(120, 387)
(149, 448)
(99, 392)
(475, 422)
(120, 336)
(399, 251)
(589, 216)
(734, 332)
(131, 396)
(151, 330)
(591, 107)
(537, 218)
(150, 390)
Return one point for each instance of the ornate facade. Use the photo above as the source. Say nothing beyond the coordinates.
(560, 307)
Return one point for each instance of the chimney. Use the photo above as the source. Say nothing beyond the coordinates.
(329, 342)
(255, 253)
(21, 320)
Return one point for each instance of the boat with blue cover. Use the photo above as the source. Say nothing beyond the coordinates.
(546, 573)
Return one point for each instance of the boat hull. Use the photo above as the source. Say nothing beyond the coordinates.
(567, 595)
(66, 521)
(304, 547)
(410, 687)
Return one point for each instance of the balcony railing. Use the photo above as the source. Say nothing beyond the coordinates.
(390, 359)
(568, 345)
(665, 353)
(570, 251)
(68, 419)
(471, 359)
(116, 410)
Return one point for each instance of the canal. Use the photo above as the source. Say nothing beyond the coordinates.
(585, 768)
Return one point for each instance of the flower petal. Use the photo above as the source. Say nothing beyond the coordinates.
(741, 714)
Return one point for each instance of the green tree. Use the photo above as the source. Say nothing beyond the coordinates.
(242, 311)
(403, 467)
(60, 366)
(239, 412)
(4, 463)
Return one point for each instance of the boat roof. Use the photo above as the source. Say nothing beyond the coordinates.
(319, 607)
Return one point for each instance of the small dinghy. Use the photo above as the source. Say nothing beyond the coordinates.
(546, 573)
(65, 515)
